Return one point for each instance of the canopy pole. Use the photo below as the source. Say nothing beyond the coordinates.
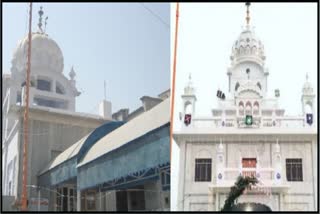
(24, 197)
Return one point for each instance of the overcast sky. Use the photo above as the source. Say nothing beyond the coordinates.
(206, 35)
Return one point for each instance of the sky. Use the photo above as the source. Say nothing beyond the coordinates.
(127, 45)
(205, 38)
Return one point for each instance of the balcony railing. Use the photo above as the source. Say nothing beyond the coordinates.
(258, 121)
(249, 172)
(231, 174)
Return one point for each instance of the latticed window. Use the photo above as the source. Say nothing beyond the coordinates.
(294, 169)
(203, 170)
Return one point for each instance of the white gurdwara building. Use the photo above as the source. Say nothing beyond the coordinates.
(249, 135)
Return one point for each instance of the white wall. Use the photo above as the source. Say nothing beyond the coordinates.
(301, 195)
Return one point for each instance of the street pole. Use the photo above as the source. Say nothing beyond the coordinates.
(174, 76)
(24, 205)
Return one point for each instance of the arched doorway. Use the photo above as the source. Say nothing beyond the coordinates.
(251, 207)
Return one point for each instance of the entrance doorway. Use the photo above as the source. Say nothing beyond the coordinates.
(66, 199)
(132, 199)
(251, 207)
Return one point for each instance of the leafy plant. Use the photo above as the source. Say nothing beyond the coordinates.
(240, 185)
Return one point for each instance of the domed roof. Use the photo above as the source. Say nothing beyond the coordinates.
(248, 47)
(45, 54)
(189, 89)
(307, 87)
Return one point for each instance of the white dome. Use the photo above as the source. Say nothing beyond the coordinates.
(248, 47)
(45, 54)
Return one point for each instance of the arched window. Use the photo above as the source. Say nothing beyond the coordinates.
(237, 86)
(188, 108)
(241, 108)
(241, 50)
(259, 85)
(254, 50)
(308, 108)
(256, 108)
(248, 108)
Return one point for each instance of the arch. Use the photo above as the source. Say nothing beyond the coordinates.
(248, 108)
(241, 108)
(308, 107)
(247, 49)
(256, 108)
(203, 153)
(237, 86)
(254, 50)
(241, 50)
(188, 107)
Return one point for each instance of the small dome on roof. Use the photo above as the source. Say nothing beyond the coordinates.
(307, 87)
(248, 47)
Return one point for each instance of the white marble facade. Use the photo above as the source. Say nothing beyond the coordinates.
(54, 123)
(225, 139)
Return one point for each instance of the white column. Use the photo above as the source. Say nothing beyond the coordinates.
(211, 200)
(180, 201)
(217, 201)
(281, 201)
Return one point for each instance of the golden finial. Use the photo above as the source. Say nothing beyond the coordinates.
(248, 12)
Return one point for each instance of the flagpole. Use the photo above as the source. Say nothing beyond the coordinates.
(174, 76)
(24, 197)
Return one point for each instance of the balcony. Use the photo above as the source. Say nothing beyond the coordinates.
(231, 174)
(238, 122)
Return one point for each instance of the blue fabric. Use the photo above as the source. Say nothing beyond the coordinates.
(148, 151)
(96, 135)
(68, 169)
(64, 172)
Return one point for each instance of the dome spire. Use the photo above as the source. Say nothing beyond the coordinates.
(40, 12)
(189, 87)
(248, 13)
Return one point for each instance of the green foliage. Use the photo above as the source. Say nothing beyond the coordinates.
(240, 185)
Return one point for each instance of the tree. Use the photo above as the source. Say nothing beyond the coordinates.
(240, 185)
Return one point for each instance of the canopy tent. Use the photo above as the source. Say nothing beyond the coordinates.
(63, 167)
(116, 153)
(140, 145)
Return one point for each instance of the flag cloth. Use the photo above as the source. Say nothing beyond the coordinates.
(187, 119)
(309, 119)
(248, 119)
